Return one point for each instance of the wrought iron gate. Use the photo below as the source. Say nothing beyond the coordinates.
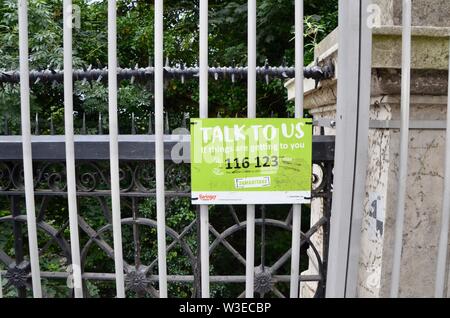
(137, 190)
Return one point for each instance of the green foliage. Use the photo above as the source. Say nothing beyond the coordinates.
(228, 32)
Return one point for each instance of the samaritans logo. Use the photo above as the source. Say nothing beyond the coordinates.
(254, 182)
(251, 161)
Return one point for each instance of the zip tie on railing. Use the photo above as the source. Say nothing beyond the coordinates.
(317, 73)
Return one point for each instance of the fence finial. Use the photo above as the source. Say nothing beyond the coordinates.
(36, 127)
(150, 124)
(166, 126)
(100, 124)
(52, 128)
(83, 127)
(5, 125)
(133, 126)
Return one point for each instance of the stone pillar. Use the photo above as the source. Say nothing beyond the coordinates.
(427, 145)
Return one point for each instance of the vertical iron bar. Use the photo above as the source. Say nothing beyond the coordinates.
(404, 142)
(361, 151)
(442, 267)
(204, 209)
(198, 263)
(26, 147)
(299, 89)
(251, 108)
(136, 238)
(114, 148)
(17, 229)
(70, 151)
(263, 237)
(159, 146)
(327, 203)
(18, 239)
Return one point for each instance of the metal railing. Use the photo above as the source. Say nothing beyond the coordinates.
(113, 74)
(352, 124)
(137, 164)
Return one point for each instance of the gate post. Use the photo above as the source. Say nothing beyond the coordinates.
(352, 129)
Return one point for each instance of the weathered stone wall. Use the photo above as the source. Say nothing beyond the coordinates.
(423, 209)
(429, 84)
(425, 12)
(373, 228)
(387, 11)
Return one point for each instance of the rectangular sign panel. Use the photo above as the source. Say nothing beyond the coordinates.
(251, 161)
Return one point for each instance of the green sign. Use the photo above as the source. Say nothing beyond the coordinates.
(251, 161)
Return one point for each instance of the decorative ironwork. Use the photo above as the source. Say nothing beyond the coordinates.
(137, 181)
(137, 280)
(18, 275)
(93, 177)
(263, 281)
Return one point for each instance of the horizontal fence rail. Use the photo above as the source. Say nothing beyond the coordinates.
(267, 72)
(131, 147)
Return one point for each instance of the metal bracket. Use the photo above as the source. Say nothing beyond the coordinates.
(325, 122)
